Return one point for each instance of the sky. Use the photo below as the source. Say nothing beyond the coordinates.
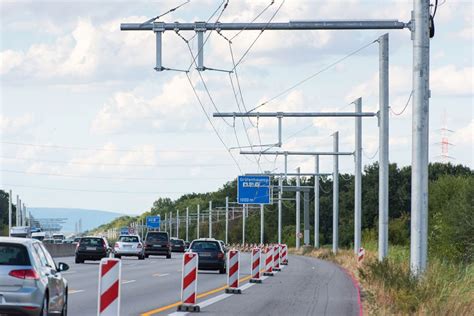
(86, 122)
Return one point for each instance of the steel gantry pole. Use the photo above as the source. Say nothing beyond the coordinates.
(383, 145)
(358, 178)
(420, 136)
(298, 228)
(335, 195)
(177, 223)
(187, 223)
(316, 201)
(171, 223)
(280, 196)
(243, 223)
(197, 221)
(261, 223)
(210, 219)
(306, 217)
(10, 213)
(166, 222)
(226, 220)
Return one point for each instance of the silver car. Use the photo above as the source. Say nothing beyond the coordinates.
(30, 281)
(129, 245)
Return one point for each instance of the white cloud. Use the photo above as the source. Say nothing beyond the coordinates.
(464, 136)
(15, 125)
(453, 81)
(168, 110)
(9, 59)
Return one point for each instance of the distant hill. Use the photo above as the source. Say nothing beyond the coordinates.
(90, 218)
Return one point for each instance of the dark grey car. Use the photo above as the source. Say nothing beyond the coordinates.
(30, 281)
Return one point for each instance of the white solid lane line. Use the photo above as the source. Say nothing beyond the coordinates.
(74, 291)
(128, 281)
(160, 274)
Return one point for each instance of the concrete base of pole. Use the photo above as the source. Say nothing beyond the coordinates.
(233, 290)
(255, 281)
(268, 274)
(189, 308)
(277, 269)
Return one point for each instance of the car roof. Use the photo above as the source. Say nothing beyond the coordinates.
(17, 240)
(205, 239)
(129, 236)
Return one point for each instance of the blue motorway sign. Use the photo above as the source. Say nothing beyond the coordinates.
(253, 190)
(153, 221)
(124, 231)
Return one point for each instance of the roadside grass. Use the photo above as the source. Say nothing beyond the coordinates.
(388, 287)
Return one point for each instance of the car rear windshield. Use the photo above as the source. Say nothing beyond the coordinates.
(178, 242)
(205, 246)
(13, 255)
(128, 239)
(93, 242)
(156, 237)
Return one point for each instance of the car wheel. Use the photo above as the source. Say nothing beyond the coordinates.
(146, 256)
(118, 256)
(64, 311)
(222, 270)
(141, 257)
(44, 308)
(78, 260)
(168, 256)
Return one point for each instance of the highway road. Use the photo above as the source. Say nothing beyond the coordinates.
(306, 286)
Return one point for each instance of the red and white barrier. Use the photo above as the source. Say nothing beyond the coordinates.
(189, 283)
(268, 261)
(233, 268)
(276, 258)
(284, 254)
(360, 255)
(255, 266)
(110, 272)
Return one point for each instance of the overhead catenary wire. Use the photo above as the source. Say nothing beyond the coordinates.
(285, 91)
(106, 149)
(212, 124)
(102, 164)
(91, 190)
(109, 177)
(370, 157)
(404, 108)
(167, 12)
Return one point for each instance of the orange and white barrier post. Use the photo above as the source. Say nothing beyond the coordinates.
(255, 266)
(268, 261)
(233, 258)
(189, 283)
(110, 271)
(284, 254)
(276, 258)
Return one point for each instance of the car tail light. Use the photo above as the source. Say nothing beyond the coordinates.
(26, 274)
(116, 245)
(103, 244)
(77, 246)
(139, 245)
(169, 244)
(220, 255)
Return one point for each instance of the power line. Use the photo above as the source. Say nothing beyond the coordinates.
(312, 76)
(211, 165)
(404, 108)
(92, 191)
(106, 149)
(106, 177)
(259, 34)
(210, 122)
(254, 19)
(370, 157)
(167, 12)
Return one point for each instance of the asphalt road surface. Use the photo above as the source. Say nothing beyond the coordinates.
(306, 286)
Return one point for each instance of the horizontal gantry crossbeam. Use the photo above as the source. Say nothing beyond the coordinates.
(298, 153)
(294, 114)
(292, 25)
(289, 174)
